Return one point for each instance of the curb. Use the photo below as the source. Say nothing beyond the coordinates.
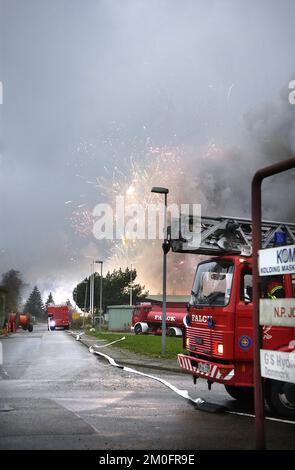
(136, 362)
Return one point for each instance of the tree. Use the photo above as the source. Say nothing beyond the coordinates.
(13, 283)
(49, 300)
(34, 305)
(115, 287)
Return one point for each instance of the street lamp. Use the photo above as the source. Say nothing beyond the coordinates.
(165, 246)
(91, 294)
(85, 300)
(131, 286)
(92, 288)
(100, 294)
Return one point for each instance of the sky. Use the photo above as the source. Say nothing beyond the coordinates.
(105, 95)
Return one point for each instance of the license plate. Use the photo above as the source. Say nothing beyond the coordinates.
(204, 368)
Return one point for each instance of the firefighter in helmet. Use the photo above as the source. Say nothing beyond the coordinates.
(275, 288)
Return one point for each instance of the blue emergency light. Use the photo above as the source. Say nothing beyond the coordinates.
(280, 238)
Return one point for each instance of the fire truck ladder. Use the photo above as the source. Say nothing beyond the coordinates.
(223, 235)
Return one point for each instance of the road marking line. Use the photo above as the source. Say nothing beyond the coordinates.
(269, 418)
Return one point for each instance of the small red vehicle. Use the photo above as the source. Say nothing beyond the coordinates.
(58, 317)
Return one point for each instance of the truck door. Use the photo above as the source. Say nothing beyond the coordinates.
(244, 310)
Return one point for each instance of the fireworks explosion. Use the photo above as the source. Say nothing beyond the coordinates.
(133, 178)
(82, 221)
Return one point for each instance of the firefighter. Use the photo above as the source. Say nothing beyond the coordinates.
(275, 288)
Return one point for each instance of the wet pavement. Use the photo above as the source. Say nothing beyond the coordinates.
(54, 394)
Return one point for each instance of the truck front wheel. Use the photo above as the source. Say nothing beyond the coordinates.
(138, 329)
(240, 393)
(280, 397)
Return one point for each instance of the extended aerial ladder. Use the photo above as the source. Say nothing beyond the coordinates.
(224, 235)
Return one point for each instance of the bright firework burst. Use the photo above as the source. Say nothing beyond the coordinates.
(133, 178)
(82, 221)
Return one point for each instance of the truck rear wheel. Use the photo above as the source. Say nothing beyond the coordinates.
(240, 393)
(280, 397)
(30, 328)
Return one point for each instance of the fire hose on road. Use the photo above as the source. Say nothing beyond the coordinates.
(199, 403)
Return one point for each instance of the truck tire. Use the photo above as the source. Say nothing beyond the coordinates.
(280, 397)
(137, 329)
(30, 328)
(240, 393)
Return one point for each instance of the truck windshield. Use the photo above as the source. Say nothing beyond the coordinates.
(212, 284)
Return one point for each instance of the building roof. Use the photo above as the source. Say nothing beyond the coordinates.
(169, 298)
(120, 306)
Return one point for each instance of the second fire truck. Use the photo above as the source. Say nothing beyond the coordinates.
(147, 319)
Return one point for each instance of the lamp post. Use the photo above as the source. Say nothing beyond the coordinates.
(91, 293)
(166, 248)
(100, 294)
(92, 287)
(85, 300)
(131, 285)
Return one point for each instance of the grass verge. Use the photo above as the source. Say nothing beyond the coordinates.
(148, 345)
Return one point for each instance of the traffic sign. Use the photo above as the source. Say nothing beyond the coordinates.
(278, 260)
(277, 312)
(278, 365)
(75, 315)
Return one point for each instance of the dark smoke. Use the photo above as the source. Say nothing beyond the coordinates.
(223, 179)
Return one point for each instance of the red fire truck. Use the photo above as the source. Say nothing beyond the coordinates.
(147, 318)
(58, 316)
(218, 337)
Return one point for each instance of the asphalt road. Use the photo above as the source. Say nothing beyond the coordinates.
(54, 394)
